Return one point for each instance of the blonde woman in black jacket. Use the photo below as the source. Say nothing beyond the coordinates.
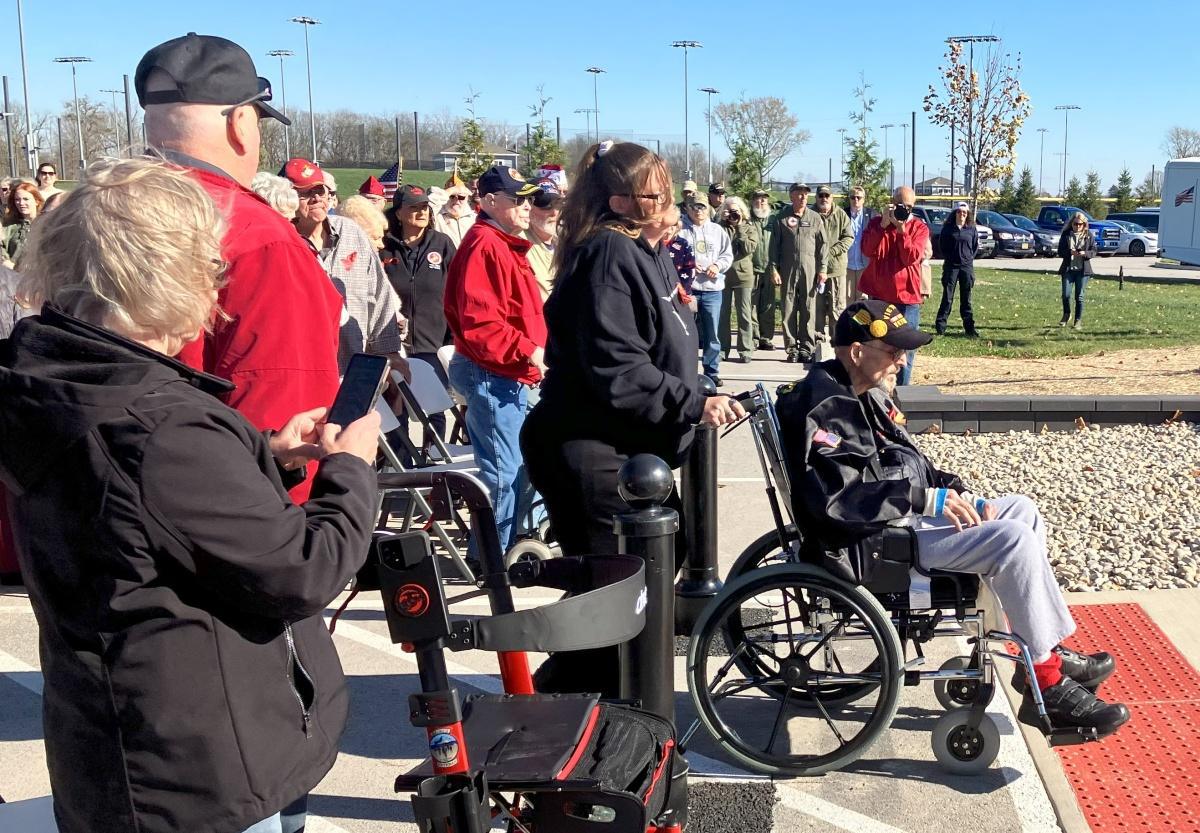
(1076, 247)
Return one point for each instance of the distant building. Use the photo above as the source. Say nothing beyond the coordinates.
(939, 186)
(499, 156)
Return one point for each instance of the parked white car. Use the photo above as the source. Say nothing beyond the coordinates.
(1136, 240)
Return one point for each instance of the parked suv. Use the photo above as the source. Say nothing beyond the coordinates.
(1046, 242)
(1011, 241)
(934, 216)
(1108, 235)
(1146, 219)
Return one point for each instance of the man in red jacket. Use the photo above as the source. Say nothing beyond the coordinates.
(896, 243)
(494, 311)
(278, 344)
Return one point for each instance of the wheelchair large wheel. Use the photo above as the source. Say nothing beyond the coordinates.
(807, 638)
(765, 551)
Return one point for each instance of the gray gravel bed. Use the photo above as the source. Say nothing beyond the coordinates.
(1122, 504)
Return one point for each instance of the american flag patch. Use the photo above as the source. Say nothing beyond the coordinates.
(826, 438)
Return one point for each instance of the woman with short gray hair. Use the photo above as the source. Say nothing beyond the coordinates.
(278, 193)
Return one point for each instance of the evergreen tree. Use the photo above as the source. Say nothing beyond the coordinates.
(1122, 192)
(542, 148)
(1006, 196)
(864, 168)
(1093, 198)
(744, 173)
(471, 144)
(1074, 195)
(1025, 201)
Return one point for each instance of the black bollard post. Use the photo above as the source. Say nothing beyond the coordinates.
(698, 491)
(648, 530)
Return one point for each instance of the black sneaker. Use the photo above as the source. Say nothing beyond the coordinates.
(804, 358)
(766, 345)
(972, 334)
(792, 357)
(941, 330)
(1089, 670)
(1068, 704)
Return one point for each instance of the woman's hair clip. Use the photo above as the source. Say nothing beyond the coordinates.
(604, 147)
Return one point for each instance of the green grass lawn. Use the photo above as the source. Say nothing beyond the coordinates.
(348, 179)
(1017, 315)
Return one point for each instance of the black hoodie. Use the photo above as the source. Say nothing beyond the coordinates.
(190, 682)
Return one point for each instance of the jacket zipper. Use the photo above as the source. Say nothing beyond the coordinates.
(294, 662)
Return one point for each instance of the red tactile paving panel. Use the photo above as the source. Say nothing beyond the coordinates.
(1146, 777)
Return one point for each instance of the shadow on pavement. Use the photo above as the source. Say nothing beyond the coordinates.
(333, 807)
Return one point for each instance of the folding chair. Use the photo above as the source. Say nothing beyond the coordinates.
(424, 396)
(459, 432)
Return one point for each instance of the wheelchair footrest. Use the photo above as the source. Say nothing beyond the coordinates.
(1073, 736)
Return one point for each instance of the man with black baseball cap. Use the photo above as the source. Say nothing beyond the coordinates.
(494, 310)
(855, 470)
(716, 196)
(203, 101)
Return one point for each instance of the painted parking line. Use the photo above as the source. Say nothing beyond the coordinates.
(840, 817)
(21, 673)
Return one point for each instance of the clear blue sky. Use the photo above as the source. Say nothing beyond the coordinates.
(1131, 67)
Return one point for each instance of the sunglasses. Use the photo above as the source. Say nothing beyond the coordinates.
(1079, 225)
(856, 197)
(456, 197)
(318, 193)
(517, 201)
(46, 173)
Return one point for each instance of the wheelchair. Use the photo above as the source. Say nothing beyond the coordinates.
(796, 667)
(540, 762)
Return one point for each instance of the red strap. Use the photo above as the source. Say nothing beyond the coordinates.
(570, 765)
(658, 771)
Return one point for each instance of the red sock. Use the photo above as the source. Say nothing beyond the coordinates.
(1048, 673)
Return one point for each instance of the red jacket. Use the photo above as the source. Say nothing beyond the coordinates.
(280, 348)
(492, 303)
(894, 273)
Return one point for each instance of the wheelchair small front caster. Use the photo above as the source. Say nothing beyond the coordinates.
(962, 750)
(528, 549)
(954, 694)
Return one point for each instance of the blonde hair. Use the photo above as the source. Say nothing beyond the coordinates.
(278, 192)
(364, 212)
(136, 249)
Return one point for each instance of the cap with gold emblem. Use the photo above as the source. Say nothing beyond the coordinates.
(865, 321)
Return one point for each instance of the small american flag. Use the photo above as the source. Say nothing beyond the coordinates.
(390, 180)
(826, 438)
(1185, 196)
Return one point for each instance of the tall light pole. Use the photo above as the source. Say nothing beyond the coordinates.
(116, 121)
(903, 152)
(312, 114)
(685, 45)
(281, 54)
(1041, 158)
(587, 111)
(970, 40)
(711, 92)
(891, 167)
(73, 60)
(595, 71)
(30, 144)
(1066, 108)
(842, 157)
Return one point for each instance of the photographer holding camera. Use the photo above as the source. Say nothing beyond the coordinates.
(739, 279)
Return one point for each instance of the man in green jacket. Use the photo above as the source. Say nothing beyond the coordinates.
(739, 279)
(765, 281)
(831, 300)
(798, 255)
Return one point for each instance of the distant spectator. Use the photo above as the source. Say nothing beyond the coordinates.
(25, 203)
(370, 219)
(331, 184)
(799, 254)
(6, 186)
(688, 189)
(958, 241)
(372, 190)
(714, 255)
(739, 280)
(456, 216)
(47, 176)
(830, 300)
(555, 174)
(1076, 247)
(278, 193)
(856, 261)
(348, 257)
(716, 196)
(11, 311)
(543, 232)
(765, 281)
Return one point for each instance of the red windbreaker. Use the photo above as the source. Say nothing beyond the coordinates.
(894, 273)
(492, 303)
(280, 348)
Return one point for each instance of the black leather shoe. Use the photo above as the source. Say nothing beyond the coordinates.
(792, 357)
(941, 331)
(716, 380)
(1089, 670)
(972, 334)
(1069, 704)
(766, 345)
(804, 358)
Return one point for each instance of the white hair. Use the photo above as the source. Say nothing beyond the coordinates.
(278, 192)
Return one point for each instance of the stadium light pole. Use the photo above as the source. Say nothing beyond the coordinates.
(595, 71)
(587, 111)
(73, 60)
(116, 121)
(30, 143)
(1066, 108)
(685, 45)
(281, 54)
(711, 92)
(1041, 158)
(891, 171)
(312, 114)
(970, 40)
(841, 155)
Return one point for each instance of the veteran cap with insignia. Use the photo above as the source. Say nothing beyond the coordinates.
(410, 195)
(865, 321)
(302, 173)
(505, 179)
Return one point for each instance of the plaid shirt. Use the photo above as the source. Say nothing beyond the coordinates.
(372, 307)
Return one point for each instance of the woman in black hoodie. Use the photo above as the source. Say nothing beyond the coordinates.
(959, 241)
(622, 376)
(190, 681)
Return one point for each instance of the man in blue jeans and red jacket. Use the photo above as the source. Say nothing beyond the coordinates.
(494, 311)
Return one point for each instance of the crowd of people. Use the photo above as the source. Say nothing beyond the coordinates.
(189, 316)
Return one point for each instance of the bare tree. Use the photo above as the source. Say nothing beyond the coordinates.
(988, 111)
(1181, 142)
(765, 125)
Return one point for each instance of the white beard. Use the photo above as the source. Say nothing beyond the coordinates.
(457, 210)
(761, 213)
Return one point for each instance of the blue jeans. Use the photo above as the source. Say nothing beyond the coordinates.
(1079, 281)
(496, 407)
(708, 310)
(288, 820)
(912, 312)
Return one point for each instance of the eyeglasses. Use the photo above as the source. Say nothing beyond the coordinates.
(517, 201)
(698, 207)
(654, 198)
(456, 197)
(894, 352)
(318, 193)
(856, 197)
(1079, 225)
(45, 173)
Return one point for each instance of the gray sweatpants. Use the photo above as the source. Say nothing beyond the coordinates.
(1010, 553)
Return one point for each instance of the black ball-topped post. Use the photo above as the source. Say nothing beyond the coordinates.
(700, 580)
(648, 530)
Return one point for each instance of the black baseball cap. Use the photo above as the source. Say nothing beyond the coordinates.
(409, 195)
(506, 179)
(716, 188)
(865, 321)
(205, 70)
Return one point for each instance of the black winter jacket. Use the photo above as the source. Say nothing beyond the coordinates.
(190, 683)
(418, 274)
(852, 466)
(621, 351)
(958, 245)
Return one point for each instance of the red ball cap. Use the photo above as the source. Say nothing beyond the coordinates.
(303, 174)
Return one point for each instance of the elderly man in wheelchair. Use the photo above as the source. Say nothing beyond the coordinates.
(855, 470)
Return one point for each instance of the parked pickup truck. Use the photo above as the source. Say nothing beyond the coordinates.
(1108, 235)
